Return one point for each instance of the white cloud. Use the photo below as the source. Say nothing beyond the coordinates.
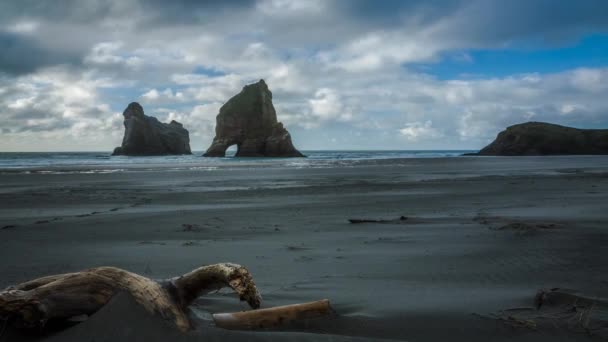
(164, 96)
(327, 105)
(591, 80)
(24, 27)
(21, 103)
(198, 120)
(57, 108)
(151, 95)
(283, 7)
(570, 108)
(415, 131)
(378, 50)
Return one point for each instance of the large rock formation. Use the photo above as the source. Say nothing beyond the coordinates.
(539, 138)
(145, 135)
(249, 121)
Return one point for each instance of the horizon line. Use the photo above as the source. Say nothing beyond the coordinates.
(309, 150)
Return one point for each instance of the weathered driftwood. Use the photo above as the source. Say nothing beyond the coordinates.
(272, 317)
(401, 219)
(64, 296)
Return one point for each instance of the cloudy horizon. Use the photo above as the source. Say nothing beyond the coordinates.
(401, 75)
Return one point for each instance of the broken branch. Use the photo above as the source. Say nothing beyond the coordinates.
(272, 317)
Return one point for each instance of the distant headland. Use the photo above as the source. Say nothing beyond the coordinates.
(541, 138)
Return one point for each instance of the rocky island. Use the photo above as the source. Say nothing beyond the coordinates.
(249, 121)
(145, 135)
(540, 138)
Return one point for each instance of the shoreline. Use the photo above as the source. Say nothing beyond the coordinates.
(148, 164)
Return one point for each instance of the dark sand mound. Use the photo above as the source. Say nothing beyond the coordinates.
(540, 138)
(560, 310)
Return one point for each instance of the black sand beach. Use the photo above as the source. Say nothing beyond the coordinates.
(481, 235)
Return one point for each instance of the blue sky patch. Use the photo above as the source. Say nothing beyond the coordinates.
(589, 52)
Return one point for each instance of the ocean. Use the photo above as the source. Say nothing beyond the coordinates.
(104, 162)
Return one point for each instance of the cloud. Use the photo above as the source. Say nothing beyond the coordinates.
(339, 70)
(23, 54)
(165, 96)
(375, 50)
(287, 7)
(56, 103)
(23, 27)
(415, 131)
(199, 121)
(359, 36)
(327, 105)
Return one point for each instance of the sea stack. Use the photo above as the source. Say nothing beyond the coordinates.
(249, 121)
(146, 136)
(540, 138)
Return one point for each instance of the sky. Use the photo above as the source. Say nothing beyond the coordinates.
(357, 74)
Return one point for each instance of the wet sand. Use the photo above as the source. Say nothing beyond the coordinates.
(481, 235)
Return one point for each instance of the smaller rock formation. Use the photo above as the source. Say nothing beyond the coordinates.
(249, 121)
(145, 135)
(540, 138)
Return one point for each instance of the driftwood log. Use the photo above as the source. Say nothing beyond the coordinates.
(401, 219)
(65, 296)
(272, 317)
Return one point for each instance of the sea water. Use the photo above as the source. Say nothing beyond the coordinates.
(104, 162)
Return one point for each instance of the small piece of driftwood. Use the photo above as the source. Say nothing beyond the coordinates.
(398, 220)
(64, 297)
(272, 317)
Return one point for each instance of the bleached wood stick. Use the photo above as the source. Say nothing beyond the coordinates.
(272, 317)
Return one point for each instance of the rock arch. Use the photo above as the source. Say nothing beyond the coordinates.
(249, 121)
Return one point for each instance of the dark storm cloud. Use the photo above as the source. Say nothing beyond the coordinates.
(500, 18)
(28, 113)
(187, 12)
(91, 11)
(82, 21)
(25, 54)
(392, 12)
(487, 22)
(84, 11)
(498, 22)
